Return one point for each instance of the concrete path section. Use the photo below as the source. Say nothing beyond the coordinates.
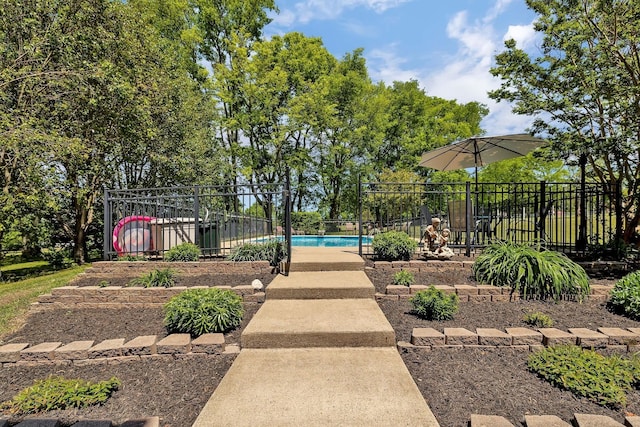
(325, 259)
(318, 323)
(317, 387)
(321, 285)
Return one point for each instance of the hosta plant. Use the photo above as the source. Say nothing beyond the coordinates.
(434, 304)
(533, 273)
(201, 311)
(625, 296)
(57, 393)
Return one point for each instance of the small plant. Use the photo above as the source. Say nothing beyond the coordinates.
(604, 380)
(393, 246)
(103, 284)
(56, 393)
(183, 252)
(538, 320)
(165, 278)
(273, 251)
(403, 278)
(131, 258)
(201, 311)
(625, 296)
(530, 272)
(434, 304)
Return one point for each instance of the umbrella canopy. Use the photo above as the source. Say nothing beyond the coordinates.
(479, 151)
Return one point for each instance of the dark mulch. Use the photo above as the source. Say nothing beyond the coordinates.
(173, 389)
(457, 383)
(500, 315)
(181, 280)
(67, 325)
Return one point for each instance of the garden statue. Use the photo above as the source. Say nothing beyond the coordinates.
(435, 241)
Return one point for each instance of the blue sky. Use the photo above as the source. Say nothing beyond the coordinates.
(447, 46)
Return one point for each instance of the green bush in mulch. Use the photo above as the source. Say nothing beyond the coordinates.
(183, 252)
(531, 272)
(158, 278)
(602, 379)
(434, 304)
(57, 392)
(403, 278)
(393, 246)
(201, 311)
(538, 320)
(625, 296)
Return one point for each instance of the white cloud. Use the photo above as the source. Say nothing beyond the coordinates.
(524, 35)
(384, 65)
(311, 10)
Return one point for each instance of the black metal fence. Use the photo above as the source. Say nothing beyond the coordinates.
(151, 221)
(564, 216)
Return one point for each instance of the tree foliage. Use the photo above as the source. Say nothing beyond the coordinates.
(583, 88)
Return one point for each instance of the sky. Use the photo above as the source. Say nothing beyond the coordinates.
(447, 46)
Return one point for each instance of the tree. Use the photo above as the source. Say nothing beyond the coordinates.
(584, 89)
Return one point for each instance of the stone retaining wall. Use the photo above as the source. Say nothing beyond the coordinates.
(113, 350)
(481, 293)
(199, 267)
(525, 339)
(116, 296)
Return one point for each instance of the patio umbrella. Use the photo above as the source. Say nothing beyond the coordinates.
(479, 151)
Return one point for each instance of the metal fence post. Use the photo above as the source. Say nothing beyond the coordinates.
(359, 215)
(542, 211)
(469, 214)
(287, 220)
(106, 226)
(196, 214)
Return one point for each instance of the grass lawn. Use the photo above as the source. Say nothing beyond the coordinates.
(15, 297)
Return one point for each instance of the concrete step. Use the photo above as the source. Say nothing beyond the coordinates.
(317, 387)
(325, 259)
(318, 323)
(321, 285)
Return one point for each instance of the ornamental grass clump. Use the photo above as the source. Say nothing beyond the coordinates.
(434, 304)
(57, 393)
(530, 272)
(202, 311)
(393, 246)
(158, 278)
(537, 319)
(272, 250)
(625, 296)
(183, 252)
(602, 379)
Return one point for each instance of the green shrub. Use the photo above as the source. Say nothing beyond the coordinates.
(56, 393)
(201, 311)
(625, 296)
(58, 258)
(403, 278)
(183, 252)
(157, 278)
(272, 251)
(393, 246)
(434, 304)
(538, 320)
(605, 380)
(530, 272)
(308, 222)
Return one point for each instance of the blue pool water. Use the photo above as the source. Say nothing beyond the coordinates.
(327, 241)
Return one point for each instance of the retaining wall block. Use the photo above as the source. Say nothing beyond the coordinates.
(107, 348)
(489, 290)
(208, 343)
(619, 336)
(488, 421)
(427, 337)
(588, 338)
(460, 336)
(554, 336)
(74, 350)
(174, 344)
(40, 352)
(141, 345)
(10, 353)
(490, 336)
(446, 289)
(397, 290)
(524, 336)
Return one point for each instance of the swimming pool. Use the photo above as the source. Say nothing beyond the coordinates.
(327, 241)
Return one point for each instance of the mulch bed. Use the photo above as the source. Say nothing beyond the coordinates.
(181, 280)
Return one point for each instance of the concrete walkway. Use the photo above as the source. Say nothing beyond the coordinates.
(319, 352)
